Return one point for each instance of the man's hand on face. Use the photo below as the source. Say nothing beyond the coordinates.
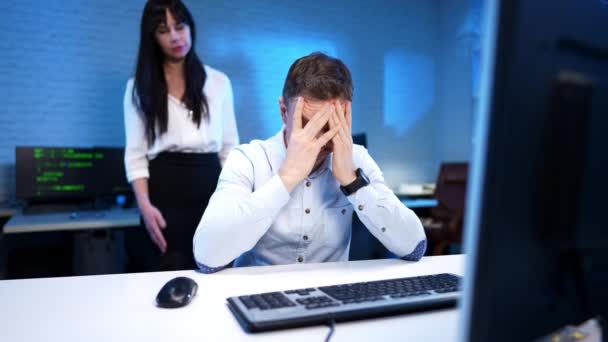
(304, 145)
(342, 165)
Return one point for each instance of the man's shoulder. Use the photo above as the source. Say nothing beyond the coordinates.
(359, 151)
(252, 147)
(255, 149)
(253, 160)
(364, 160)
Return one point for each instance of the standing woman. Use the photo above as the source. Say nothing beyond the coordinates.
(180, 126)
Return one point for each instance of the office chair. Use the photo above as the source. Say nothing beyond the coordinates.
(360, 139)
(445, 221)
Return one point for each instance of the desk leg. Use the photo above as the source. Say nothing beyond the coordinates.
(3, 257)
(98, 252)
(3, 250)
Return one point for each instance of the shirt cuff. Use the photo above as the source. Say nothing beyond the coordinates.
(417, 253)
(206, 269)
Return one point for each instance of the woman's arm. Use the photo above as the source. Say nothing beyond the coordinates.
(136, 144)
(136, 166)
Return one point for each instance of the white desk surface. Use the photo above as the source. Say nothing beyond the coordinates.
(98, 219)
(121, 307)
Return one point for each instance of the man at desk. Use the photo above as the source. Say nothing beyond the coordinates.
(290, 199)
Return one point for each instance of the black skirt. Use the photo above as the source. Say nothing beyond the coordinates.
(180, 186)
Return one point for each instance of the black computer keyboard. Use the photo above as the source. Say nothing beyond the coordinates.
(310, 306)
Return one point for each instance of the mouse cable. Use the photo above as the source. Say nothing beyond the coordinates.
(332, 328)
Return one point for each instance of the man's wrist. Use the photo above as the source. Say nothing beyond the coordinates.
(290, 182)
(348, 180)
(360, 181)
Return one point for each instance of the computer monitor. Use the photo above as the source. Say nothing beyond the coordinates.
(536, 226)
(48, 174)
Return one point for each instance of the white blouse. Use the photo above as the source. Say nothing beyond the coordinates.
(218, 134)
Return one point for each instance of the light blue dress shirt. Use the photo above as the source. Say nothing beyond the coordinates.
(252, 218)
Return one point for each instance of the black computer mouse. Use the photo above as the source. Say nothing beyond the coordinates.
(176, 293)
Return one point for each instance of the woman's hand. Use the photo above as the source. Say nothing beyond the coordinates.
(155, 223)
(153, 219)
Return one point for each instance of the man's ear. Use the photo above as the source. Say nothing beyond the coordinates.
(283, 109)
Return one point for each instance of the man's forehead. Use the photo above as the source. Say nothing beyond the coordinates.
(313, 106)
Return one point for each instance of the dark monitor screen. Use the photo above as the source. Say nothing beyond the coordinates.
(536, 224)
(56, 173)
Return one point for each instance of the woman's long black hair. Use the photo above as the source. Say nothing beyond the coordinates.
(150, 88)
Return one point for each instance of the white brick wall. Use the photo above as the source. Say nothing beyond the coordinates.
(64, 65)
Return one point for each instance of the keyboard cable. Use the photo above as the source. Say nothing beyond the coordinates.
(332, 328)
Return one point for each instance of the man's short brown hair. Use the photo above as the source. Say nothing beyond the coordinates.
(318, 76)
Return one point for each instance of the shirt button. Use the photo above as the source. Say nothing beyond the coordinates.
(383, 229)
(300, 259)
(343, 211)
(360, 207)
(305, 237)
(307, 211)
(308, 183)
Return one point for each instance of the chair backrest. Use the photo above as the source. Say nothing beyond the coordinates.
(450, 190)
(360, 139)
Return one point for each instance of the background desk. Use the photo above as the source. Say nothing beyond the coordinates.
(423, 190)
(420, 203)
(98, 219)
(121, 307)
(64, 243)
(7, 211)
(419, 198)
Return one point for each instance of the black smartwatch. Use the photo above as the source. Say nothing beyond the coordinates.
(357, 184)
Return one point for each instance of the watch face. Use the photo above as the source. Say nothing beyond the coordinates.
(363, 176)
(359, 182)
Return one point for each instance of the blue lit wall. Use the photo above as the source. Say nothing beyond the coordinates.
(65, 64)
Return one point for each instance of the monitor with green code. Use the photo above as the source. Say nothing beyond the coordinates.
(55, 173)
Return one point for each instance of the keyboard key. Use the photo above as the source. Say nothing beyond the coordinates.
(250, 304)
(415, 286)
(266, 301)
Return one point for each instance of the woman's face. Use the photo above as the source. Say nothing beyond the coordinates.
(174, 38)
